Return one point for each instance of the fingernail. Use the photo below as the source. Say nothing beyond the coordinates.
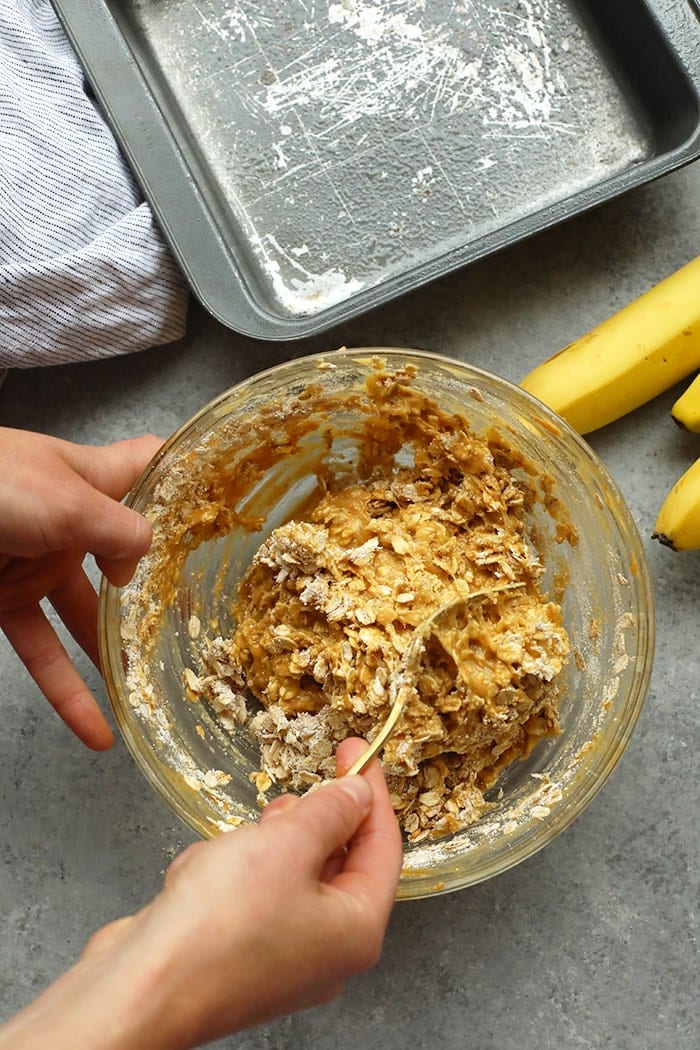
(357, 787)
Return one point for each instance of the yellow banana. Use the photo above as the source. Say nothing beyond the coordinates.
(639, 352)
(686, 410)
(678, 523)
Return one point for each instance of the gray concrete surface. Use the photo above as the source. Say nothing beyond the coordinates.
(587, 945)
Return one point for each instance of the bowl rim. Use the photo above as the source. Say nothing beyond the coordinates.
(536, 835)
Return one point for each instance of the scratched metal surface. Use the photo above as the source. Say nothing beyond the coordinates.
(350, 141)
(309, 160)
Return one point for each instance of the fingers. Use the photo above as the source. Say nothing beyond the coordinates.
(120, 570)
(347, 830)
(75, 601)
(348, 750)
(115, 534)
(334, 863)
(375, 852)
(278, 806)
(346, 837)
(114, 468)
(326, 819)
(62, 496)
(36, 643)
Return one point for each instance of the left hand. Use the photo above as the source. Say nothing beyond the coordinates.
(61, 501)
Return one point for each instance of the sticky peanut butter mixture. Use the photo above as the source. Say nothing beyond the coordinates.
(329, 606)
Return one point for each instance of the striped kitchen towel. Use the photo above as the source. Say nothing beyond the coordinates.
(84, 271)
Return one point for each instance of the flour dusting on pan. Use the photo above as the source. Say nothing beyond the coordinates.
(347, 142)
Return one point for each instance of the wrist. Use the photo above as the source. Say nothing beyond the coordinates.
(118, 1001)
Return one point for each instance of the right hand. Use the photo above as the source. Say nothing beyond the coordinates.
(262, 921)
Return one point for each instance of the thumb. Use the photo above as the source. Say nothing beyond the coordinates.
(112, 469)
(327, 819)
(115, 534)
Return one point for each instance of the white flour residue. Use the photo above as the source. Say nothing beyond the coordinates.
(422, 181)
(383, 134)
(234, 23)
(280, 158)
(391, 59)
(372, 21)
(300, 289)
(231, 26)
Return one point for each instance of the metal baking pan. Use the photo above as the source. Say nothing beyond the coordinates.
(310, 160)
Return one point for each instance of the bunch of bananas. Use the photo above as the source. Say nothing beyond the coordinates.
(639, 352)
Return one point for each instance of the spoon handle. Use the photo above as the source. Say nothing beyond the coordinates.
(363, 760)
(406, 677)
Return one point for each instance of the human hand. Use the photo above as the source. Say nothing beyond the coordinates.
(262, 921)
(60, 501)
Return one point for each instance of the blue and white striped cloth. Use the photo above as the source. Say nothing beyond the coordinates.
(84, 271)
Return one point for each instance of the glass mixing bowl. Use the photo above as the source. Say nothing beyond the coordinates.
(151, 630)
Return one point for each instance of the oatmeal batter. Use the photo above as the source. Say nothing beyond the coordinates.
(332, 599)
